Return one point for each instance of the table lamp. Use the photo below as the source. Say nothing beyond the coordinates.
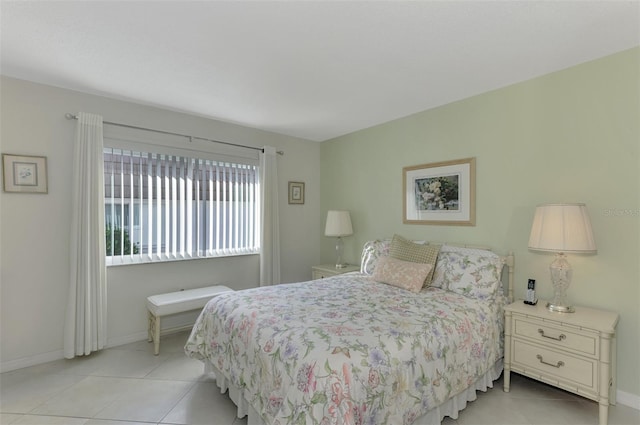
(338, 225)
(561, 228)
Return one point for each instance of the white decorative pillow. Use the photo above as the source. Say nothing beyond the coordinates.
(371, 252)
(403, 274)
(475, 273)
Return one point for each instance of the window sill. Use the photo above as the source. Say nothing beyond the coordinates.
(128, 261)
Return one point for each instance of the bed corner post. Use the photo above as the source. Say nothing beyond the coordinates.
(507, 352)
(510, 260)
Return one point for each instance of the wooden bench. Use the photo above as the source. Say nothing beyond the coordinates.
(177, 302)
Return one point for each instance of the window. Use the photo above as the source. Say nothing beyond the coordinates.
(161, 207)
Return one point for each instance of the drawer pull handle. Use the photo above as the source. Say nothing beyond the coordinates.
(559, 338)
(560, 363)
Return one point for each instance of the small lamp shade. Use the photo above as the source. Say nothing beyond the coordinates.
(338, 224)
(562, 228)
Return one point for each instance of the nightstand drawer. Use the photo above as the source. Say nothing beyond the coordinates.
(329, 270)
(577, 340)
(318, 275)
(556, 365)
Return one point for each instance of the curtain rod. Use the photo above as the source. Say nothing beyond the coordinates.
(70, 116)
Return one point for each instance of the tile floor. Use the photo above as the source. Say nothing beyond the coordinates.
(129, 385)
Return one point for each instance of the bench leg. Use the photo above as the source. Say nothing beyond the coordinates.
(153, 332)
(149, 326)
(156, 336)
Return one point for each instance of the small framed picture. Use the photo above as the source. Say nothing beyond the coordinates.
(296, 193)
(24, 174)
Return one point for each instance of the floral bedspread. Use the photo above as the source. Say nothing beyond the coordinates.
(347, 350)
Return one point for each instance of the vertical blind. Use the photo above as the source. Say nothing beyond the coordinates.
(165, 207)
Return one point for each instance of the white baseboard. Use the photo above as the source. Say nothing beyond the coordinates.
(51, 356)
(10, 365)
(127, 339)
(628, 399)
(141, 336)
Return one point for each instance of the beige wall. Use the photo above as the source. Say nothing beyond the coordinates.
(571, 136)
(34, 246)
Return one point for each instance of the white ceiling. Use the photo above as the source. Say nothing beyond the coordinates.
(309, 69)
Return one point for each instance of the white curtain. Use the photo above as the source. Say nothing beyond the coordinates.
(270, 228)
(86, 319)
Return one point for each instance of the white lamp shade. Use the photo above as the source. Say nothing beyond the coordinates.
(338, 224)
(562, 228)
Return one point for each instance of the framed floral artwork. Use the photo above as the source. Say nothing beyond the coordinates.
(440, 193)
(296, 192)
(24, 174)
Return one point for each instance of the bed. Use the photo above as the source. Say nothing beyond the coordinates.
(362, 347)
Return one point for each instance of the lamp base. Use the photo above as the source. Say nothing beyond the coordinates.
(560, 308)
(561, 273)
(339, 251)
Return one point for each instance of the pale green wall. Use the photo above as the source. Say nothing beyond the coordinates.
(570, 136)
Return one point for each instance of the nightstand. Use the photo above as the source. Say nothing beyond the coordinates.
(572, 351)
(327, 270)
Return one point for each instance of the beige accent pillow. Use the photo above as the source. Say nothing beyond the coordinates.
(403, 274)
(406, 250)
